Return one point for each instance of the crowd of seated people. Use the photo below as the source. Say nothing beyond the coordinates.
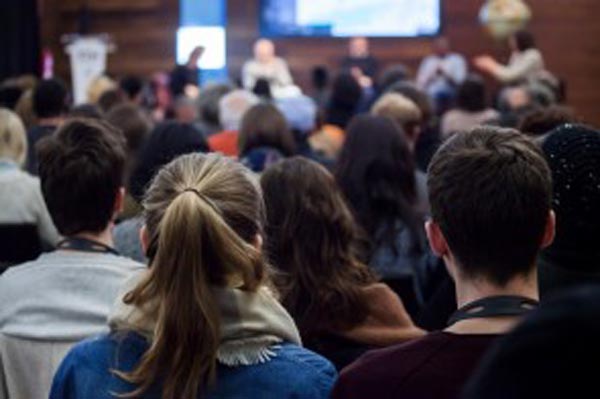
(379, 236)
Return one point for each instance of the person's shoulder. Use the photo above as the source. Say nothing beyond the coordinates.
(383, 370)
(102, 352)
(297, 355)
(16, 273)
(307, 367)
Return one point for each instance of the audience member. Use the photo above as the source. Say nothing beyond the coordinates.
(540, 122)
(392, 75)
(91, 111)
(264, 137)
(24, 108)
(471, 108)
(98, 87)
(343, 104)
(64, 296)
(339, 307)
(545, 357)
(573, 153)
(526, 61)
(166, 142)
(50, 99)
(441, 73)
(135, 126)
(482, 184)
(320, 85)
(232, 108)
(201, 321)
(376, 173)
(186, 110)
(262, 89)
(359, 58)
(266, 65)
(110, 99)
(133, 88)
(409, 117)
(208, 107)
(21, 201)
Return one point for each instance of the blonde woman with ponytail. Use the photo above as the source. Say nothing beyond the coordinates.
(201, 322)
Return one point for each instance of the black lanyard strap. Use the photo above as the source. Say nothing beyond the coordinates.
(495, 306)
(85, 245)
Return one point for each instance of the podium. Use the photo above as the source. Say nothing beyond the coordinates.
(88, 55)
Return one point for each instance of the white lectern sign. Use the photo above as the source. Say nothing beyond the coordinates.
(88, 61)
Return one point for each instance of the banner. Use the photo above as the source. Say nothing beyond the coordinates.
(88, 61)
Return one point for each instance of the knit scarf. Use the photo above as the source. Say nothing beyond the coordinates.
(253, 325)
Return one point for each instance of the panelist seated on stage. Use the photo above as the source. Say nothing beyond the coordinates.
(359, 58)
(442, 72)
(266, 65)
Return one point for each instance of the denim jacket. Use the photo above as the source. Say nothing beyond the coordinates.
(293, 373)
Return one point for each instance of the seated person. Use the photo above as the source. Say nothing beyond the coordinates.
(544, 356)
(483, 184)
(265, 138)
(232, 108)
(526, 61)
(441, 73)
(573, 153)
(266, 65)
(21, 201)
(201, 321)
(64, 296)
(359, 60)
(159, 150)
(471, 108)
(340, 308)
(49, 106)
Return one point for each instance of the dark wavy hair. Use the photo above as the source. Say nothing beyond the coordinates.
(312, 242)
(376, 172)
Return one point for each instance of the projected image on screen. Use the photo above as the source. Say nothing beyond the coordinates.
(343, 18)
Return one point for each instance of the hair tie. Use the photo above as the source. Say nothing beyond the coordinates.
(203, 198)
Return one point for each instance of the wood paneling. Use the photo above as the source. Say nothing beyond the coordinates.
(144, 31)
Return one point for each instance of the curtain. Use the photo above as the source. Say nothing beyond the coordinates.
(19, 38)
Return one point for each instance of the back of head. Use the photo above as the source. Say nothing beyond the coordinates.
(132, 86)
(208, 102)
(91, 111)
(573, 153)
(490, 192)
(471, 95)
(545, 356)
(320, 77)
(392, 75)
(133, 122)
(524, 40)
(539, 122)
(110, 99)
(346, 94)
(376, 172)
(13, 139)
(233, 106)
(203, 217)
(413, 93)
(319, 284)
(50, 99)
(264, 125)
(262, 88)
(166, 142)
(81, 170)
(399, 109)
(98, 87)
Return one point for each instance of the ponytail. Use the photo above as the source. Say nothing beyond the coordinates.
(195, 250)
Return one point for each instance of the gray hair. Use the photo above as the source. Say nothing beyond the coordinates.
(233, 106)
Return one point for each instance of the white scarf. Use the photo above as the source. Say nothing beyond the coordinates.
(253, 324)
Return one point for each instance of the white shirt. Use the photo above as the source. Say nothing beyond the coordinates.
(454, 67)
(522, 66)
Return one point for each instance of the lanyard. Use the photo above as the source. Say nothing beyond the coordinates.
(495, 306)
(85, 245)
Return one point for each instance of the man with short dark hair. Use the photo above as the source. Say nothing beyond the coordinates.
(51, 303)
(490, 192)
(50, 99)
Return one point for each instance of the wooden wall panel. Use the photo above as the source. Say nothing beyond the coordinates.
(144, 31)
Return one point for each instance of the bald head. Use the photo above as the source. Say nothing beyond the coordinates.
(264, 51)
